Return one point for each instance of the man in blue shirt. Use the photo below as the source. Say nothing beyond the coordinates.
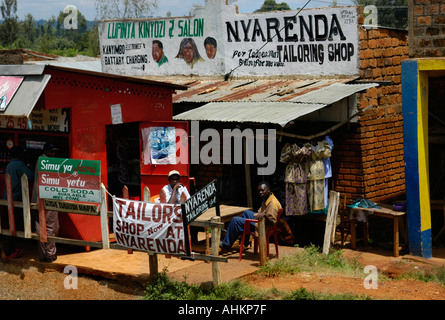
(16, 168)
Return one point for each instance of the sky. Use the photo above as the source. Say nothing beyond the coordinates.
(44, 9)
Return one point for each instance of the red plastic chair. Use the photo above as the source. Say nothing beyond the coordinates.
(271, 232)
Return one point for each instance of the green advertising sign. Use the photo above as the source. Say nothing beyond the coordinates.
(69, 179)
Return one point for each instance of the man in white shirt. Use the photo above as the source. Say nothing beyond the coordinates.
(175, 191)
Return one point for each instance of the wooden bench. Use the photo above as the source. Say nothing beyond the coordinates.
(359, 214)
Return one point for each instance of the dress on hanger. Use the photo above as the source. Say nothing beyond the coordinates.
(316, 176)
(327, 167)
(295, 178)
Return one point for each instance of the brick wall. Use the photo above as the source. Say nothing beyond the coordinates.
(369, 157)
(427, 23)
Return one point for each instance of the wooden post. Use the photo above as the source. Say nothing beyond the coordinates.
(126, 195)
(396, 236)
(104, 218)
(262, 240)
(330, 220)
(26, 207)
(10, 205)
(152, 257)
(42, 221)
(216, 235)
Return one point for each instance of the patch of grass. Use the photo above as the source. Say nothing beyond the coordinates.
(303, 294)
(311, 259)
(434, 275)
(163, 288)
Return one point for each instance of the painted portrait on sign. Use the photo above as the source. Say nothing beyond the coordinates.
(211, 47)
(157, 52)
(189, 52)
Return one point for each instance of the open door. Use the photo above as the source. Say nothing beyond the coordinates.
(164, 147)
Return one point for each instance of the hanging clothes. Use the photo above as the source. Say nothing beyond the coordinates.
(316, 176)
(327, 167)
(295, 178)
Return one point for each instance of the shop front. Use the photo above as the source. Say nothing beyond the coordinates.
(124, 122)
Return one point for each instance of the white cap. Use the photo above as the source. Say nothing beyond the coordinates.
(173, 172)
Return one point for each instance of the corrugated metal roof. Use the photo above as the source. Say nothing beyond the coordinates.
(259, 90)
(263, 101)
(259, 112)
(333, 93)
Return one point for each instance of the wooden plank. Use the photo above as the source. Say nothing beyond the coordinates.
(26, 207)
(396, 236)
(226, 213)
(42, 221)
(126, 195)
(216, 234)
(104, 217)
(18, 204)
(82, 243)
(11, 217)
(262, 240)
(72, 207)
(332, 213)
(153, 261)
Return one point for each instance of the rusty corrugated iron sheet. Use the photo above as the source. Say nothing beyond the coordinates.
(258, 90)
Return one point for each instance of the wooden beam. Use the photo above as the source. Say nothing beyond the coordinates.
(262, 240)
(26, 207)
(216, 234)
(10, 204)
(104, 217)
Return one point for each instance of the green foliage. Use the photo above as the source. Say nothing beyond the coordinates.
(271, 5)
(9, 27)
(303, 294)
(310, 259)
(434, 275)
(51, 37)
(163, 288)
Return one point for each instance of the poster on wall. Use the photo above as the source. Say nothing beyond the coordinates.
(152, 227)
(159, 145)
(8, 87)
(69, 179)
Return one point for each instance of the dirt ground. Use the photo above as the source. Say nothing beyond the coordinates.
(27, 279)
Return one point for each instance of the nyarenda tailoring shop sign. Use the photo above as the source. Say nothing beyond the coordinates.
(319, 41)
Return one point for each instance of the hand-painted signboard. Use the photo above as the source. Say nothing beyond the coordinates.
(145, 226)
(69, 179)
(323, 41)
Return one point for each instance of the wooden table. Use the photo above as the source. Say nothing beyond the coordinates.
(437, 205)
(227, 213)
(359, 214)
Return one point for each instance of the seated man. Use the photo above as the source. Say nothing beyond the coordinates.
(269, 210)
(174, 192)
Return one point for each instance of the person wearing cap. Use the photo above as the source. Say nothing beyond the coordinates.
(174, 192)
(47, 250)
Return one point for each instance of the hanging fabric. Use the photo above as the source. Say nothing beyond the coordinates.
(316, 176)
(295, 178)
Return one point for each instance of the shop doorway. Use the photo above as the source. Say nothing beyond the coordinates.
(436, 138)
(123, 159)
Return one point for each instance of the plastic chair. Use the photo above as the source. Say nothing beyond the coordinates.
(272, 231)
